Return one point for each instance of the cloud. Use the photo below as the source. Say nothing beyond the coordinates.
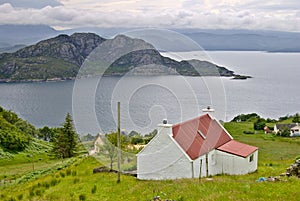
(31, 3)
(224, 14)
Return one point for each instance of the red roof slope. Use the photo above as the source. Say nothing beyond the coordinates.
(200, 135)
(237, 148)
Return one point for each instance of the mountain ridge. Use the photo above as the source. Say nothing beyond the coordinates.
(208, 39)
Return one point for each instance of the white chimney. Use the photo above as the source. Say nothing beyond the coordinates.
(208, 110)
(165, 128)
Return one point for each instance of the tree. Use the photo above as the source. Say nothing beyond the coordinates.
(259, 124)
(65, 143)
(46, 133)
(245, 117)
(296, 118)
(26, 127)
(285, 132)
(109, 150)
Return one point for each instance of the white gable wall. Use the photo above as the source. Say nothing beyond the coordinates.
(224, 163)
(162, 158)
(236, 165)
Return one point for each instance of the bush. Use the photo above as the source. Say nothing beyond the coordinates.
(74, 173)
(259, 124)
(94, 189)
(76, 180)
(62, 174)
(68, 172)
(285, 132)
(20, 197)
(248, 132)
(38, 192)
(31, 193)
(46, 185)
(245, 117)
(82, 197)
(54, 182)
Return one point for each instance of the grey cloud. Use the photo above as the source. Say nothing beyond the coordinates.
(272, 5)
(37, 4)
(224, 18)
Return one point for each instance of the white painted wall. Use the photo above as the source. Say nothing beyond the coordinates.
(162, 158)
(235, 165)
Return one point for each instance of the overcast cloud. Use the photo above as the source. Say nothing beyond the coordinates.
(281, 15)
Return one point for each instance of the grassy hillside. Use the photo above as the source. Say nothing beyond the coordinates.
(77, 181)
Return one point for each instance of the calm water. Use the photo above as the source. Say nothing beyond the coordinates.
(145, 101)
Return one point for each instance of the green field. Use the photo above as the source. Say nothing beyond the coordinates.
(77, 181)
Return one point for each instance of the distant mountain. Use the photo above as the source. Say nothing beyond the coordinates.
(247, 41)
(208, 39)
(11, 35)
(14, 37)
(60, 58)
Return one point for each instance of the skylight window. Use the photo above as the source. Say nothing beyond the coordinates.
(201, 134)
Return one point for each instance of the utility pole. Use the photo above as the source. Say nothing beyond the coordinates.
(119, 145)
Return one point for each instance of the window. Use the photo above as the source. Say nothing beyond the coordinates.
(251, 158)
(201, 134)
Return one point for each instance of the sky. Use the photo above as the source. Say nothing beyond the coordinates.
(282, 15)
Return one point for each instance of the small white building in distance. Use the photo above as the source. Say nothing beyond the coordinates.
(97, 142)
(195, 148)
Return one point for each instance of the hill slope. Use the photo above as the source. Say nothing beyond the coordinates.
(58, 57)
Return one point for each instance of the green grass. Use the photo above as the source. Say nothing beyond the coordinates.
(63, 186)
(77, 182)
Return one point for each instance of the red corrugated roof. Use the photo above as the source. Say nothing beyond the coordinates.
(237, 148)
(213, 135)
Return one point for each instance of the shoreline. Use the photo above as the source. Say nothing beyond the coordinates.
(8, 81)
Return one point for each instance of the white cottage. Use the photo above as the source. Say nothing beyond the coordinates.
(196, 148)
(97, 142)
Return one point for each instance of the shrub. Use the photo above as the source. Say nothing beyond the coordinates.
(38, 192)
(245, 117)
(68, 172)
(248, 132)
(53, 182)
(46, 185)
(82, 197)
(62, 174)
(20, 197)
(74, 173)
(259, 124)
(31, 193)
(285, 132)
(94, 189)
(180, 198)
(76, 180)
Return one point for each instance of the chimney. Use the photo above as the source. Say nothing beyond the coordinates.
(208, 110)
(165, 128)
